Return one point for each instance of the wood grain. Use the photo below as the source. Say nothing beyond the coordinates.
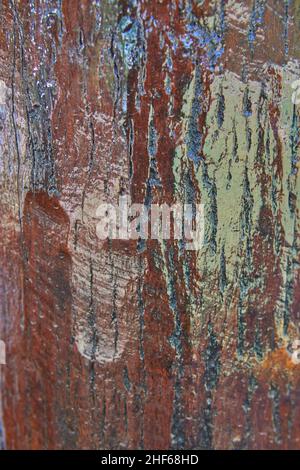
(126, 345)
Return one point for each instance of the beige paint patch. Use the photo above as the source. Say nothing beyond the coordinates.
(101, 314)
(3, 92)
(2, 353)
(14, 167)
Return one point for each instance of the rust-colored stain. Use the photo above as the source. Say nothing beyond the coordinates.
(142, 344)
(279, 362)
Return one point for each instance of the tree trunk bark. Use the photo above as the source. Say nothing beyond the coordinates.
(142, 344)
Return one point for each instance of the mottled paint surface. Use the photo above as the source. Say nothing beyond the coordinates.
(146, 345)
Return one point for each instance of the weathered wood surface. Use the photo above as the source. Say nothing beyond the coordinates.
(115, 345)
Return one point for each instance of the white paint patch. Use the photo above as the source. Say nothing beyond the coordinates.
(2, 353)
(237, 12)
(104, 289)
(3, 92)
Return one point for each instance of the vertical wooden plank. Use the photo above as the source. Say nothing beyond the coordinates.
(142, 344)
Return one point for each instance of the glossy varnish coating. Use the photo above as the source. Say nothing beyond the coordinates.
(119, 344)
